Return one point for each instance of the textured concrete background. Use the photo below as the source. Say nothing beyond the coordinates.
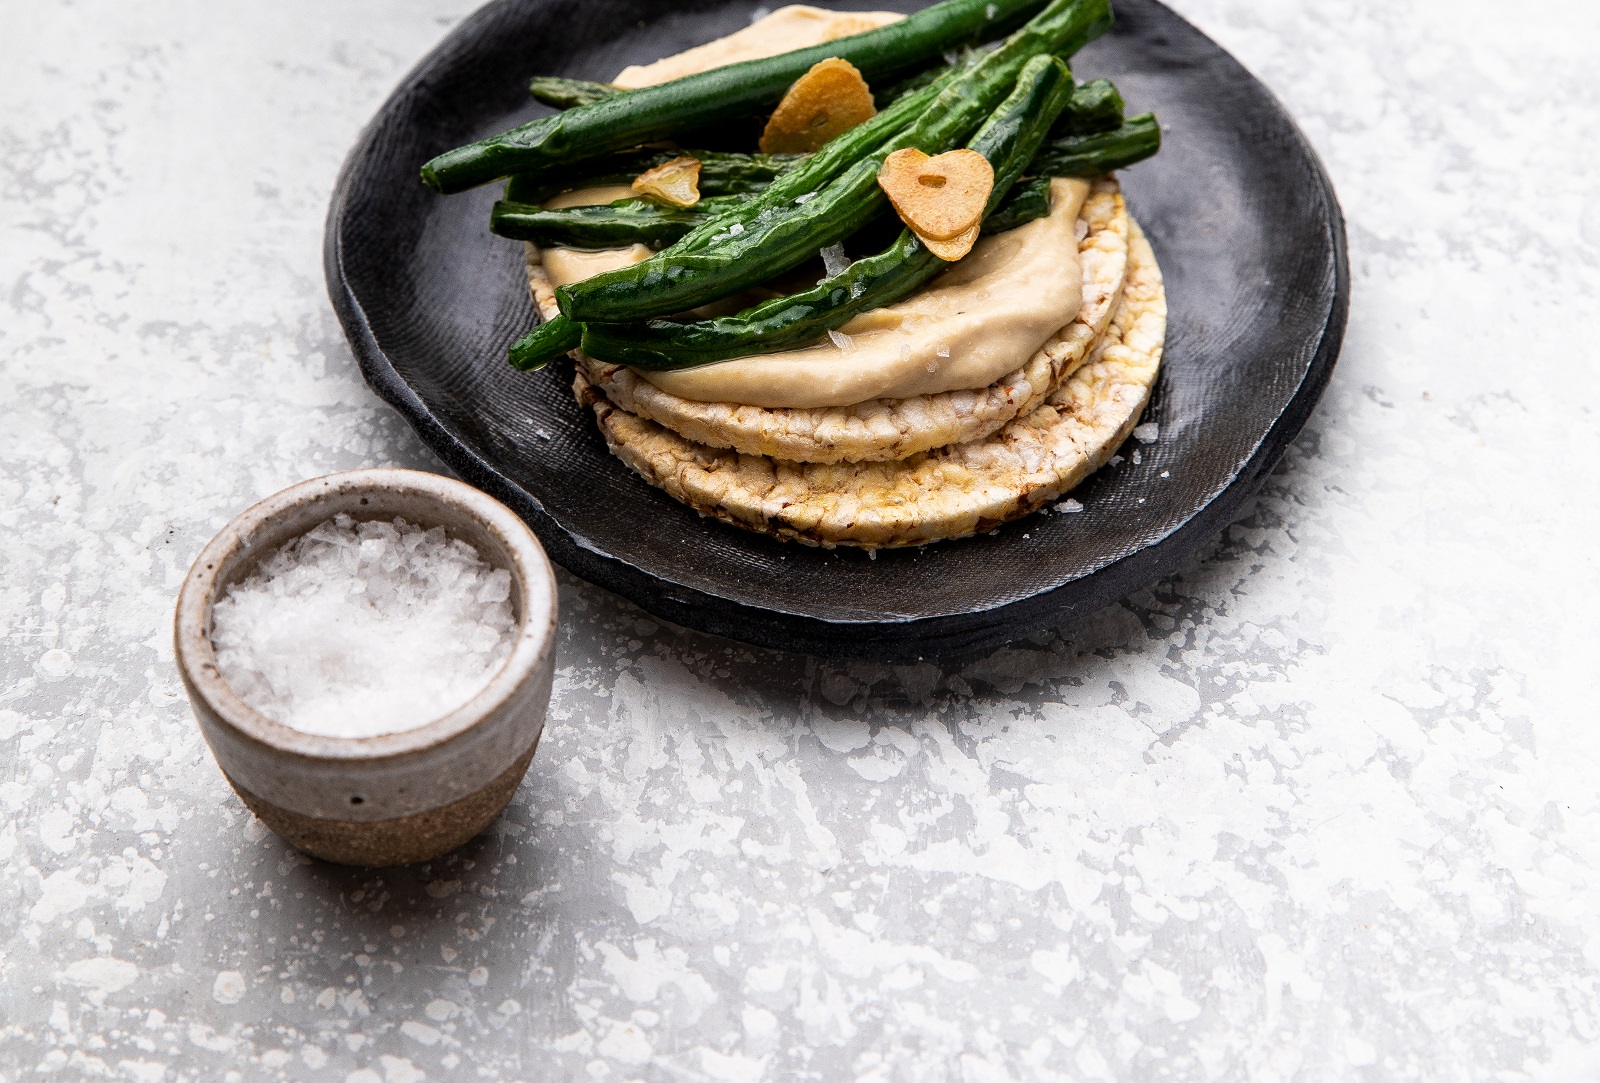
(1322, 806)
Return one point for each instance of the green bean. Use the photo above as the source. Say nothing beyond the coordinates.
(545, 343)
(885, 98)
(612, 225)
(1009, 140)
(1095, 107)
(721, 173)
(963, 58)
(805, 181)
(1092, 155)
(1085, 156)
(637, 221)
(1030, 199)
(563, 93)
(774, 232)
(804, 175)
(800, 184)
(552, 144)
(1075, 156)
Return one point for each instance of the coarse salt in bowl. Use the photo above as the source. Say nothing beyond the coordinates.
(356, 629)
(369, 657)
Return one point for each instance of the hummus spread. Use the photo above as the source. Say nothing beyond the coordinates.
(979, 320)
(976, 322)
(785, 30)
(565, 265)
(591, 197)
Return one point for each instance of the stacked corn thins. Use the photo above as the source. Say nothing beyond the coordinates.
(896, 472)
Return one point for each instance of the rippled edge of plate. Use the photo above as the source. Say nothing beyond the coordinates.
(880, 640)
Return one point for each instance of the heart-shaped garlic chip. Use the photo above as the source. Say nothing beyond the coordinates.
(826, 101)
(941, 198)
(675, 183)
(955, 247)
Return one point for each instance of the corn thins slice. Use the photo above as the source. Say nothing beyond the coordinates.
(825, 102)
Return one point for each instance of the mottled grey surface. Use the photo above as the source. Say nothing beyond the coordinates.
(1322, 806)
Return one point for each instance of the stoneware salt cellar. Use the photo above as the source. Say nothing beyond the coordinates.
(397, 797)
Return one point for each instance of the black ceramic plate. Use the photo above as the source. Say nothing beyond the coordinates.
(1238, 208)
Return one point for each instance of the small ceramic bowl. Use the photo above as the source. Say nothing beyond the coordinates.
(400, 797)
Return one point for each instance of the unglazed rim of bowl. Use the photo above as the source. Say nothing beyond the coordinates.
(196, 655)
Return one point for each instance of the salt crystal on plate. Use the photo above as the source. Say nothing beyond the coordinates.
(1068, 507)
(359, 629)
(1148, 433)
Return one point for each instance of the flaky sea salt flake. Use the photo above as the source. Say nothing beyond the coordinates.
(358, 629)
(834, 261)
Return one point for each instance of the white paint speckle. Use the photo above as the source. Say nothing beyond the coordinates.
(229, 987)
(420, 1032)
(625, 1042)
(102, 976)
(400, 1070)
(442, 1011)
(55, 664)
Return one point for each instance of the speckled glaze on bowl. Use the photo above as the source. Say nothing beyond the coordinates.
(395, 798)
